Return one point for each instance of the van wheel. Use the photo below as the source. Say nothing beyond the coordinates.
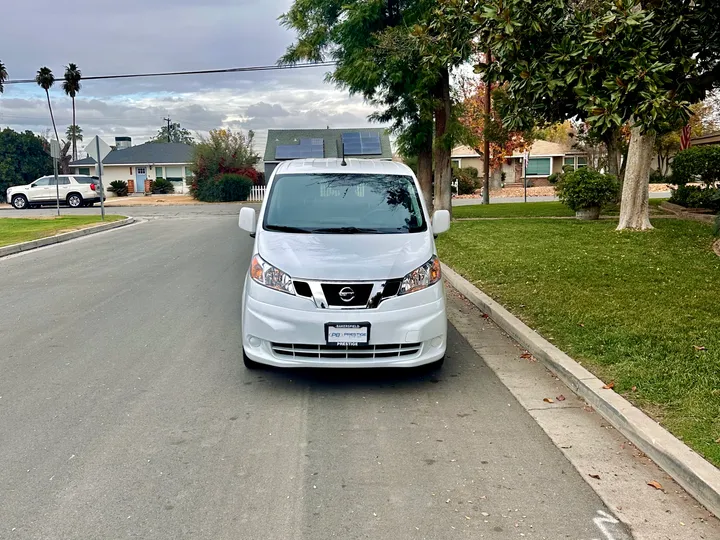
(250, 364)
(20, 202)
(436, 365)
(75, 200)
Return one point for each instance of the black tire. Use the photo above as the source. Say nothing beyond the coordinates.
(20, 202)
(436, 365)
(250, 364)
(74, 200)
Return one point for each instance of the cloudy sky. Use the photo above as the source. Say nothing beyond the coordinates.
(135, 36)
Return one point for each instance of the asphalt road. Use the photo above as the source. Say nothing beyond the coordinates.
(125, 412)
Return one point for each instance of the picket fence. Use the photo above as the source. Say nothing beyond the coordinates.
(257, 194)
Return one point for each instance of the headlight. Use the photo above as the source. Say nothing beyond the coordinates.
(422, 277)
(266, 274)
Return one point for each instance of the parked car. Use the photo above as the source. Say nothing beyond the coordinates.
(344, 271)
(75, 190)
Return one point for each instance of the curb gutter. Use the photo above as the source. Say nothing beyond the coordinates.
(50, 240)
(699, 477)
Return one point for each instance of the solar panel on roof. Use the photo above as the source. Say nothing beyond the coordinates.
(365, 143)
(307, 148)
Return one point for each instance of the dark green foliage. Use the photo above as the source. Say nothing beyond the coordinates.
(586, 188)
(657, 177)
(696, 197)
(554, 178)
(22, 159)
(697, 164)
(225, 188)
(162, 186)
(467, 179)
(119, 188)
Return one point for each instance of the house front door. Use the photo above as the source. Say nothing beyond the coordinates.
(140, 177)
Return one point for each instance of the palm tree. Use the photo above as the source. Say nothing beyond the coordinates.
(74, 135)
(3, 77)
(45, 79)
(71, 85)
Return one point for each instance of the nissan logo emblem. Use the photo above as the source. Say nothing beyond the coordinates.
(346, 294)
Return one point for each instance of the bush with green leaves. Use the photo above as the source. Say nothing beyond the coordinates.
(586, 188)
(657, 177)
(697, 164)
(119, 188)
(554, 178)
(225, 188)
(696, 197)
(467, 179)
(161, 186)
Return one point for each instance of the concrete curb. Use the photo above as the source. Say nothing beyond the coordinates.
(699, 477)
(50, 240)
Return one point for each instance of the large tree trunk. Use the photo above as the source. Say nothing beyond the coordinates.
(425, 173)
(442, 150)
(634, 211)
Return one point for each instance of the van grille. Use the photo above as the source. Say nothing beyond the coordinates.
(347, 352)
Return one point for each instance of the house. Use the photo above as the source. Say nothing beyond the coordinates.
(137, 164)
(544, 159)
(704, 140)
(286, 144)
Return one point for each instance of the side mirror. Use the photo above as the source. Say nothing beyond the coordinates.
(440, 221)
(246, 221)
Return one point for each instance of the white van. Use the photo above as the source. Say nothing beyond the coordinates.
(344, 270)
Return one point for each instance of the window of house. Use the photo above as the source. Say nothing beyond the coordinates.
(539, 167)
(581, 161)
(174, 173)
(188, 172)
(141, 170)
(159, 172)
(84, 170)
(456, 163)
(569, 162)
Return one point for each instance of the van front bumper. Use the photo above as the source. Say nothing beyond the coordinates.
(285, 331)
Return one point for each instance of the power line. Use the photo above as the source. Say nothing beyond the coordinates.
(273, 67)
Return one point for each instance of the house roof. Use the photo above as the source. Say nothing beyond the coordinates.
(148, 153)
(278, 137)
(538, 148)
(710, 138)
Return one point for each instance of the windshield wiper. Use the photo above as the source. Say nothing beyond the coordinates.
(347, 230)
(288, 229)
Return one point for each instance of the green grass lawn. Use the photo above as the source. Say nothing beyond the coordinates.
(16, 230)
(532, 209)
(634, 308)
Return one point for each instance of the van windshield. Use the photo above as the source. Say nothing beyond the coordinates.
(344, 204)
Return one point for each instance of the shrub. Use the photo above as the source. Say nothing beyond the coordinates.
(554, 178)
(119, 188)
(162, 186)
(467, 179)
(225, 188)
(586, 188)
(697, 164)
(657, 177)
(696, 197)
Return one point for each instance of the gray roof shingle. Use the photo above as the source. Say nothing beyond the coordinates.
(332, 137)
(148, 153)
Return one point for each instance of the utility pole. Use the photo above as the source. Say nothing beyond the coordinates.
(168, 122)
(486, 142)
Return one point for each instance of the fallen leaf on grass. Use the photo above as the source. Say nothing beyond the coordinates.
(699, 348)
(595, 476)
(655, 484)
(548, 400)
(581, 325)
(609, 386)
(718, 441)
(634, 388)
(560, 398)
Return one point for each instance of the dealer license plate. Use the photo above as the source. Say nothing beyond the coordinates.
(347, 334)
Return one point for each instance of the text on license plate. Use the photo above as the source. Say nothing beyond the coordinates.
(348, 334)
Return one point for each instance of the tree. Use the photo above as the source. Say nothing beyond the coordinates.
(71, 85)
(478, 127)
(45, 80)
(222, 152)
(609, 62)
(174, 133)
(74, 134)
(559, 132)
(23, 158)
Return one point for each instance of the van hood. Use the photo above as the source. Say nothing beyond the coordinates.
(345, 257)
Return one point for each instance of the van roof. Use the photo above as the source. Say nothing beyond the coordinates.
(333, 165)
